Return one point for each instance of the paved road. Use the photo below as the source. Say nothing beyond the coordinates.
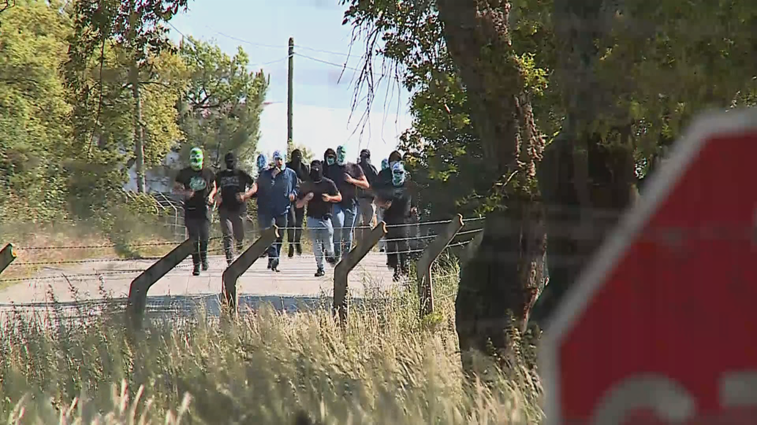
(177, 291)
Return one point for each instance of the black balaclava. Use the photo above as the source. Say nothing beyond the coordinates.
(395, 156)
(296, 157)
(316, 171)
(231, 161)
(365, 156)
(329, 152)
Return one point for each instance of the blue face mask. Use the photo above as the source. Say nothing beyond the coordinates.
(398, 178)
(280, 156)
(330, 160)
(398, 174)
(262, 162)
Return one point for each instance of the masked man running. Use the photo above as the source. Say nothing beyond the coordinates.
(198, 187)
(319, 194)
(366, 209)
(380, 210)
(277, 189)
(348, 178)
(236, 187)
(297, 215)
(398, 202)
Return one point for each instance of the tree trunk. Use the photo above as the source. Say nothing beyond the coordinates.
(139, 148)
(587, 178)
(506, 273)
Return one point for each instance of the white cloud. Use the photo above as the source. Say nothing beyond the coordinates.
(319, 128)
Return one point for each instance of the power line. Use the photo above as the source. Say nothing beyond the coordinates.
(251, 65)
(251, 43)
(271, 62)
(343, 66)
(322, 51)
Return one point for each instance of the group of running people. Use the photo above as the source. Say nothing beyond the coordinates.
(335, 195)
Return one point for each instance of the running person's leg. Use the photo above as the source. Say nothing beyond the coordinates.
(193, 233)
(337, 222)
(290, 232)
(299, 220)
(264, 222)
(328, 242)
(204, 239)
(403, 246)
(226, 229)
(391, 256)
(317, 230)
(237, 222)
(350, 218)
(281, 222)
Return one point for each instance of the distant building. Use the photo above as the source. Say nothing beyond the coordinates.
(158, 179)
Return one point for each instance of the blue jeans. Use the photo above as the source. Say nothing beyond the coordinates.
(322, 233)
(343, 219)
(265, 222)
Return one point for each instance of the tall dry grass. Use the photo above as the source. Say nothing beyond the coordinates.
(267, 367)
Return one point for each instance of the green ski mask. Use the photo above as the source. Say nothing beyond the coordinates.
(341, 155)
(196, 158)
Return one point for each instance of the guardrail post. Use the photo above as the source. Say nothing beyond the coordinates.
(7, 256)
(345, 266)
(137, 302)
(430, 254)
(244, 262)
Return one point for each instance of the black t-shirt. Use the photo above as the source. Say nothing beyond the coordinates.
(317, 208)
(336, 173)
(402, 202)
(201, 182)
(231, 182)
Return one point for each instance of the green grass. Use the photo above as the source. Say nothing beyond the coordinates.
(386, 367)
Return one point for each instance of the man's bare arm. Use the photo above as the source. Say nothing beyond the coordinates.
(253, 190)
(212, 194)
(362, 182)
(332, 198)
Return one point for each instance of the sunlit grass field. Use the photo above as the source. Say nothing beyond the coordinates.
(266, 367)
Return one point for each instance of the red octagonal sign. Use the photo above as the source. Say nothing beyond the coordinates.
(661, 327)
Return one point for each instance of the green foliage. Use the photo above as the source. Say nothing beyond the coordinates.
(67, 108)
(223, 102)
(33, 112)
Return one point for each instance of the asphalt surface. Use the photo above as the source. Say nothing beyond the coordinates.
(86, 287)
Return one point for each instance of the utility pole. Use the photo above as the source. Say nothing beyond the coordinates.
(290, 97)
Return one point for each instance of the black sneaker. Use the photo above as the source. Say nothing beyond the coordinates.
(196, 271)
(331, 260)
(299, 249)
(205, 265)
(291, 250)
(320, 272)
(275, 265)
(397, 276)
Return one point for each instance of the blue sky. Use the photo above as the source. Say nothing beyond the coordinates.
(322, 102)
